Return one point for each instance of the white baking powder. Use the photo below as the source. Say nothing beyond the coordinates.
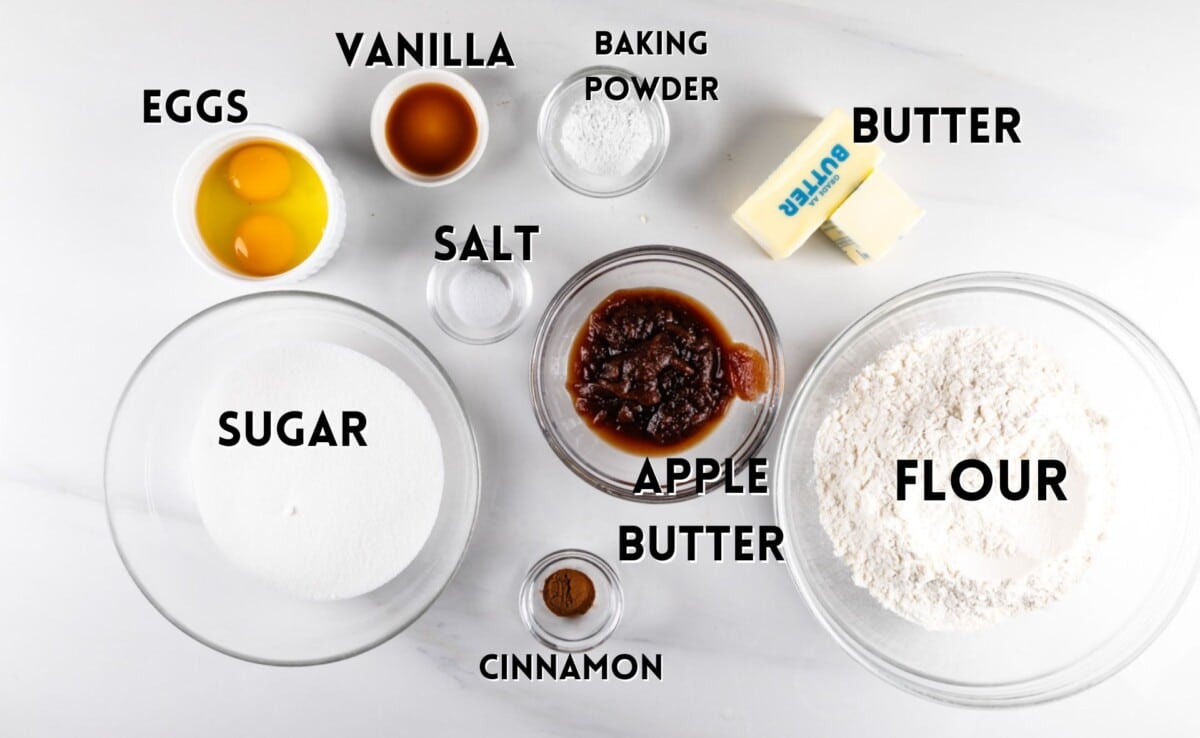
(950, 395)
(606, 137)
(319, 522)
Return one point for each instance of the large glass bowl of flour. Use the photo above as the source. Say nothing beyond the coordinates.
(1140, 571)
(336, 560)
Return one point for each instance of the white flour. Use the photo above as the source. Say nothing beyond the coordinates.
(606, 137)
(950, 395)
(319, 522)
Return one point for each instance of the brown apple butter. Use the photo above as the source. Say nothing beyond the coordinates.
(652, 371)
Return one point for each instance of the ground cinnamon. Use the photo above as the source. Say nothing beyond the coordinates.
(568, 593)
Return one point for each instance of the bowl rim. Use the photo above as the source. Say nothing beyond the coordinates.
(660, 146)
(765, 421)
(474, 491)
(1041, 688)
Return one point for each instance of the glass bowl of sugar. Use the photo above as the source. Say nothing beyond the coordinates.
(291, 478)
(598, 136)
(999, 600)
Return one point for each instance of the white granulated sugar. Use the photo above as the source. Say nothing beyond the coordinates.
(606, 137)
(480, 296)
(950, 395)
(318, 522)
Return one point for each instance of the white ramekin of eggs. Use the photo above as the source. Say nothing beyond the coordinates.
(259, 203)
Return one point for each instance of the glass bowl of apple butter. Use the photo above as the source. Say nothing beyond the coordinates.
(656, 372)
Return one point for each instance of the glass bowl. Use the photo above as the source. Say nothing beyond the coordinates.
(549, 134)
(157, 527)
(1141, 572)
(738, 436)
(451, 310)
(583, 632)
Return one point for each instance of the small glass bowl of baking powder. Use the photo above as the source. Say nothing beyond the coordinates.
(590, 624)
(602, 147)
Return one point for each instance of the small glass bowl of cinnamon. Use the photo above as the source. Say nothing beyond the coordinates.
(571, 600)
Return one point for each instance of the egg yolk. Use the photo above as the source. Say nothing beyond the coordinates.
(264, 245)
(259, 172)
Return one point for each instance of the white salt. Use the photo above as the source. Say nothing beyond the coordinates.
(318, 522)
(480, 297)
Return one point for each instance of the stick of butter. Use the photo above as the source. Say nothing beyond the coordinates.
(875, 216)
(807, 187)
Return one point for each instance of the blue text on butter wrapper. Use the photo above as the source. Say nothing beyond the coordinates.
(822, 179)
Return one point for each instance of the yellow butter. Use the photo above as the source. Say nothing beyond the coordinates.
(875, 216)
(807, 187)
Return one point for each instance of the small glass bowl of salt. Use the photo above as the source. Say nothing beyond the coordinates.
(602, 147)
(479, 301)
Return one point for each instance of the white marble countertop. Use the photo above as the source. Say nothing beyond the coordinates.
(1102, 193)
